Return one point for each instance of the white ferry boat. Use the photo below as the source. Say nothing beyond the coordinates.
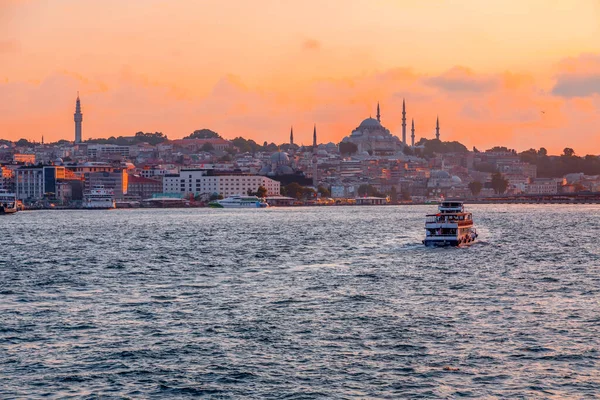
(239, 202)
(451, 226)
(99, 198)
(8, 202)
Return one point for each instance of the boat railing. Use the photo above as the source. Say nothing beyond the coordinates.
(446, 220)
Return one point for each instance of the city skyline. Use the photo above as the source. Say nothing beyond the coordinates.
(494, 75)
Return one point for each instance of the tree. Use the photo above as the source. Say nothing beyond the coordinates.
(499, 183)
(24, 143)
(347, 148)
(406, 196)
(226, 157)
(261, 191)
(294, 190)
(369, 190)
(203, 134)
(308, 192)
(150, 138)
(408, 151)
(500, 149)
(208, 147)
(529, 156)
(324, 191)
(542, 152)
(475, 188)
(568, 152)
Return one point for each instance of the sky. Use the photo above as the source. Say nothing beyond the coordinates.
(523, 74)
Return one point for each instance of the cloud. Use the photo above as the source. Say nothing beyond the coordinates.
(311, 44)
(507, 112)
(461, 79)
(577, 86)
(578, 76)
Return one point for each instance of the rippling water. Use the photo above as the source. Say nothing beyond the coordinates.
(334, 302)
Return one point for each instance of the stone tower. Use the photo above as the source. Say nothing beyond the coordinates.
(404, 122)
(412, 136)
(78, 116)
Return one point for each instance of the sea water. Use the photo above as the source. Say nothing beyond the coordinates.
(299, 303)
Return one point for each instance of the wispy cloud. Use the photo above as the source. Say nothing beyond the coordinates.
(311, 44)
(461, 79)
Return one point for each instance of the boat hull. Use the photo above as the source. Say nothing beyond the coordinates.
(7, 211)
(100, 206)
(448, 242)
(257, 204)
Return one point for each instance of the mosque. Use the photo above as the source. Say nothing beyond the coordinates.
(372, 138)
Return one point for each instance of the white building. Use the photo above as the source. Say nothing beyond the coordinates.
(196, 181)
(103, 150)
(543, 186)
(31, 183)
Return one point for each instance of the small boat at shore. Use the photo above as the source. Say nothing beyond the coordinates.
(239, 202)
(8, 203)
(451, 226)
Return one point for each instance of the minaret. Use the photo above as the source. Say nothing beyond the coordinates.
(378, 113)
(437, 128)
(78, 118)
(412, 137)
(42, 139)
(404, 122)
(292, 136)
(315, 138)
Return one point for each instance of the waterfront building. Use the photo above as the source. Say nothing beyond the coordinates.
(544, 186)
(64, 191)
(6, 179)
(370, 201)
(143, 188)
(32, 183)
(116, 180)
(78, 116)
(197, 182)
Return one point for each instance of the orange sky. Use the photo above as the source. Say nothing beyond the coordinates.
(253, 68)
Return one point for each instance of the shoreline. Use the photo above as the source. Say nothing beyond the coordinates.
(466, 202)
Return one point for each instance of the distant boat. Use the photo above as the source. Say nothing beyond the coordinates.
(451, 226)
(239, 202)
(99, 198)
(8, 203)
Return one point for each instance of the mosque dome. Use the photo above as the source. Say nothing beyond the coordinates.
(456, 179)
(285, 170)
(58, 161)
(265, 170)
(439, 174)
(280, 158)
(322, 152)
(370, 123)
